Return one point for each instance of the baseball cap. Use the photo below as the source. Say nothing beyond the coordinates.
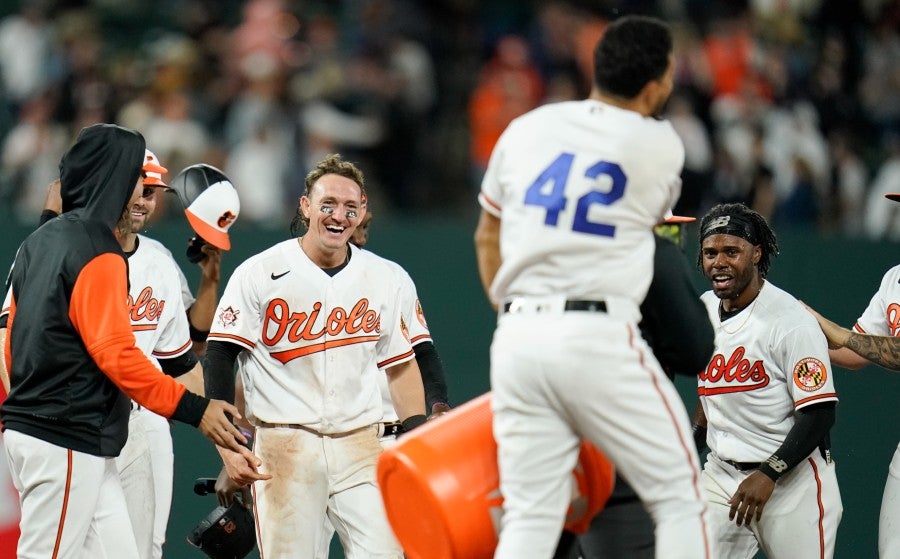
(153, 170)
(214, 209)
(894, 197)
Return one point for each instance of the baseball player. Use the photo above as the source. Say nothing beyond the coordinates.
(876, 339)
(158, 296)
(314, 319)
(565, 250)
(73, 363)
(675, 324)
(767, 400)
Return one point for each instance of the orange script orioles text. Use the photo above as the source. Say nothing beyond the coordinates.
(738, 370)
(299, 325)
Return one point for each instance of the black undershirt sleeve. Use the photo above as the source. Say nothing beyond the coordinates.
(218, 370)
(432, 370)
(810, 430)
(177, 366)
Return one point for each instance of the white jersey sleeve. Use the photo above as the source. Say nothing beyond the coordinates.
(416, 328)
(578, 183)
(882, 316)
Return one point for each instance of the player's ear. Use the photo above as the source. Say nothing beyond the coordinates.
(304, 207)
(757, 254)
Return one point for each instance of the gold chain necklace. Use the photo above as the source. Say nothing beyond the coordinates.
(746, 318)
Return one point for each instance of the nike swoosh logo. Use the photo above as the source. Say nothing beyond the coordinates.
(275, 277)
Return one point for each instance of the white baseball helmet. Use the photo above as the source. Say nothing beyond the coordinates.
(210, 201)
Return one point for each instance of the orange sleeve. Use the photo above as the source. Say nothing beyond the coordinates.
(99, 313)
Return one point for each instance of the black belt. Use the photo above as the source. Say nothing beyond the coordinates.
(743, 466)
(391, 428)
(574, 305)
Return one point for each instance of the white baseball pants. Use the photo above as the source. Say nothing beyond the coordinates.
(136, 476)
(889, 522)
(562, 376)
(72, 503)
(314, 476)
(800, 520)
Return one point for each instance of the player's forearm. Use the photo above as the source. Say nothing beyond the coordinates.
(203, 310)
(882, 350)
(432, 370)
(487, 248)
(407, 391)
(218, 370)
(811, 426)
(193, 380)
(847, 358)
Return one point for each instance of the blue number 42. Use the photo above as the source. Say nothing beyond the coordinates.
(554, 201)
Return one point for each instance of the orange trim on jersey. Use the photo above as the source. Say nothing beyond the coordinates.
(65, 504)
(687, 452)
(289, 354)
(143, 327)
(491, 203)
(99, 313)
(821, 508)
(388, 362)
(799, 403)
(859, 328)
(178, 351)
(231, 337)
(712, 391)
(420, 339)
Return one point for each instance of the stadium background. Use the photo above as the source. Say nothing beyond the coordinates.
(791, 106)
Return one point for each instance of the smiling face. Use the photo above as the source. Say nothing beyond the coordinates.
(141, 209)
(334, 209)
(729, 263)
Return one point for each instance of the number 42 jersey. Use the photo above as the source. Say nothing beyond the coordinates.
(578, 186)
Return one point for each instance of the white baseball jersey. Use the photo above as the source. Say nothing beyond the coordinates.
(882, 318)
(595, 181)
(770, 360)
(415, 327)
(156, 303)
(286, 311)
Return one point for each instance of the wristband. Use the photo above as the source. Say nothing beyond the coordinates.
(774, 467)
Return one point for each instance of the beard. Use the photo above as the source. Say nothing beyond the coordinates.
(125, 225)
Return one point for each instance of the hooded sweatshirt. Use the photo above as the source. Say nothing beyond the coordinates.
(70, 351)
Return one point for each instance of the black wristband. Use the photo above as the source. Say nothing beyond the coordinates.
(774, 467)
(412, 422)
(197, 335)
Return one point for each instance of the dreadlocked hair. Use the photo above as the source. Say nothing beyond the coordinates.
(764, 236)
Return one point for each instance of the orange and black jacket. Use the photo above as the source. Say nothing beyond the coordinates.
(70, 351)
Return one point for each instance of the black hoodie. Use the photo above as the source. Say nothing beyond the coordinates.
(70, 351)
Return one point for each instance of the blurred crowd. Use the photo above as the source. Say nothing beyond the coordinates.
(792, 106)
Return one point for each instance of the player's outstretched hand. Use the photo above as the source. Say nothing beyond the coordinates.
(837, 336)
(750, 498)
(242, 466)
(216, 425)
(227, 487)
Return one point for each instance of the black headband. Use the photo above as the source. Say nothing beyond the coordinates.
(736, 225)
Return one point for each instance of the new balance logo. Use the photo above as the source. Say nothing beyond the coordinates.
(777, 463)
(275, 277)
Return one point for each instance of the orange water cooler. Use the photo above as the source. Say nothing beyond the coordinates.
(441, 486)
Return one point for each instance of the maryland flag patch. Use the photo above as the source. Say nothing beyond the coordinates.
(404, 328)
(420, 314)
(810, 374)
